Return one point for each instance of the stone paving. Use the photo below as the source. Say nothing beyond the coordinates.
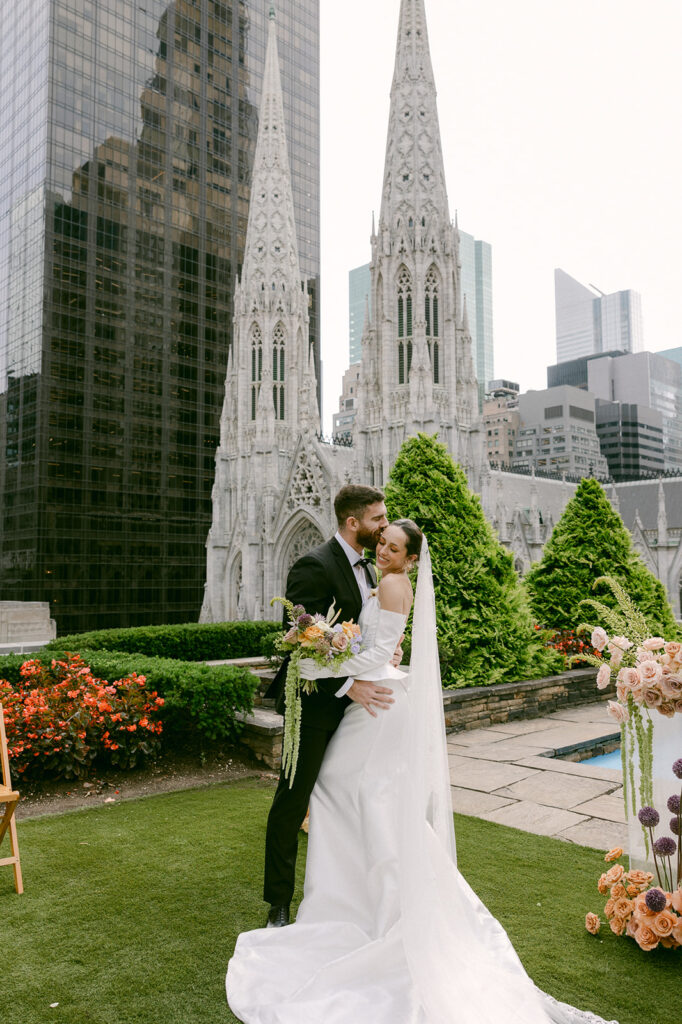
(504, 774)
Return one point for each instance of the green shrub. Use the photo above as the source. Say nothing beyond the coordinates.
(591, 540)
(485, 628)
(189, 641)
(201, 701)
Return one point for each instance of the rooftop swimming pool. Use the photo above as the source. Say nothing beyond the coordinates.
(611, 760)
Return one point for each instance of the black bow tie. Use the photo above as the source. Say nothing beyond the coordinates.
(364, 561)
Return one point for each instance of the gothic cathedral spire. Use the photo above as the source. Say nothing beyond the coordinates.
(270, 413)
(417, 367)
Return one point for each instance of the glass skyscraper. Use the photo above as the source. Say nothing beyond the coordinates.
(589, 321)
(477, 287)
(127, 136)
(359, 293)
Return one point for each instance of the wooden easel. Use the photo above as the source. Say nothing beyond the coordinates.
(9, 797)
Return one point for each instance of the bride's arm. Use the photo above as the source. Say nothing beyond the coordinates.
(390, 626)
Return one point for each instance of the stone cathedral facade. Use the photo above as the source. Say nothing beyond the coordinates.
(275, 480)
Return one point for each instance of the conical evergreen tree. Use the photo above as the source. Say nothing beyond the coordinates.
(485, 628)
(591, 540)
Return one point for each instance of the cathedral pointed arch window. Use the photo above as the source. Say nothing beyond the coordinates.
(256, 367)
(404, 325)
(431, 319)
(278, 360)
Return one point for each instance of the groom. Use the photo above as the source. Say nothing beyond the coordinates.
(333, 572)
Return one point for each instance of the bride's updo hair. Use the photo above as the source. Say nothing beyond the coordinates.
(413, 534)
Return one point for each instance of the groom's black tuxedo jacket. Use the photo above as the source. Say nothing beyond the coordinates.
(315, 580)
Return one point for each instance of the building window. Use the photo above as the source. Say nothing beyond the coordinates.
(256, 366)
(404, 325)
(278, 371)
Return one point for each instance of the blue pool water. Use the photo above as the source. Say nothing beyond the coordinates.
(611, 760)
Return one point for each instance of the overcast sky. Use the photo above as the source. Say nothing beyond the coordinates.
(560, 122)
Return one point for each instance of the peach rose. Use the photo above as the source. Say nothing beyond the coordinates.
(608, 909)
(603, 885)
(663, 923)
(638, 877)
(313, 632)
(631, 927)
(351, 629)
(618, 890)
(645, 938)
(623, 907)
(677, 931)
(669, 943)
(641, 908)
(676, 900)
(654, 643)
(613, 854)
(618, 712)
(615, 874)
(592, 923)
(603, 677)
(617, 925)
(674, 649)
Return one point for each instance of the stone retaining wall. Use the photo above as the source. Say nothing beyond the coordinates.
(477, 706)
(469, 708)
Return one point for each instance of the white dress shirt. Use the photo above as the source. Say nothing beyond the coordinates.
(353, 557)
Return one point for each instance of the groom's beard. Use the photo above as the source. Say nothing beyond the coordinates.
(369, 539)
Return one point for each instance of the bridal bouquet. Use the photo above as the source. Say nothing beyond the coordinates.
(327, 642)
(649, 914)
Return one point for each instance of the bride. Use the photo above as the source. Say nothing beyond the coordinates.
(388, 932)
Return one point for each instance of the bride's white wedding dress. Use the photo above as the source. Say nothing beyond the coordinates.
(388, 932)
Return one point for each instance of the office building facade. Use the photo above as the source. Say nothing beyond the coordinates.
(644, 379)
(631, 439)
(557, 433)
(589, 321)
(501, 421)
(128, 138)
(359, 302)
(477, 290)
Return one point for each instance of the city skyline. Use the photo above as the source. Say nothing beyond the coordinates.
(539, 162)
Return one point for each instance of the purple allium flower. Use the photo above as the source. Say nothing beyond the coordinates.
(304, 621)
(677, 768)
(655, 900)
(674, 803)
(297, 610)
(665, 846)
(649, 817)
(675, 826)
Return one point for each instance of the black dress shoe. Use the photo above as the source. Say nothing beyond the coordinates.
(278, 917)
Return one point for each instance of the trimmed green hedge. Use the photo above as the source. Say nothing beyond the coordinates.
(200, 700)
(189, 641)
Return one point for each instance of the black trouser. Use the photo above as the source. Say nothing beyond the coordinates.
(286, 815)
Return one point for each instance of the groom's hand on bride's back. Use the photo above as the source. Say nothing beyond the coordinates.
(370, 696)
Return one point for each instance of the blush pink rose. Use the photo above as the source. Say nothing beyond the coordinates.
(340, 641)
(603, 677)
(651, 695)
(643, 655)
(674, 649)
(617, 711)
(666, 708)
(599, 639)
(654, 643)
(650, 671)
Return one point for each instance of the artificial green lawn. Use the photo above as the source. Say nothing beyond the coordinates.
(131, 912)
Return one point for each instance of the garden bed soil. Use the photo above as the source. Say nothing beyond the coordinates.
(171, 772)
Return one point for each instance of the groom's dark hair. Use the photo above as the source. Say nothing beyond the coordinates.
(353, 499)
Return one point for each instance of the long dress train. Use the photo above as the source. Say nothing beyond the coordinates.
(388, 932)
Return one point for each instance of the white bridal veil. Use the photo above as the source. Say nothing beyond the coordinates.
(459, 956)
